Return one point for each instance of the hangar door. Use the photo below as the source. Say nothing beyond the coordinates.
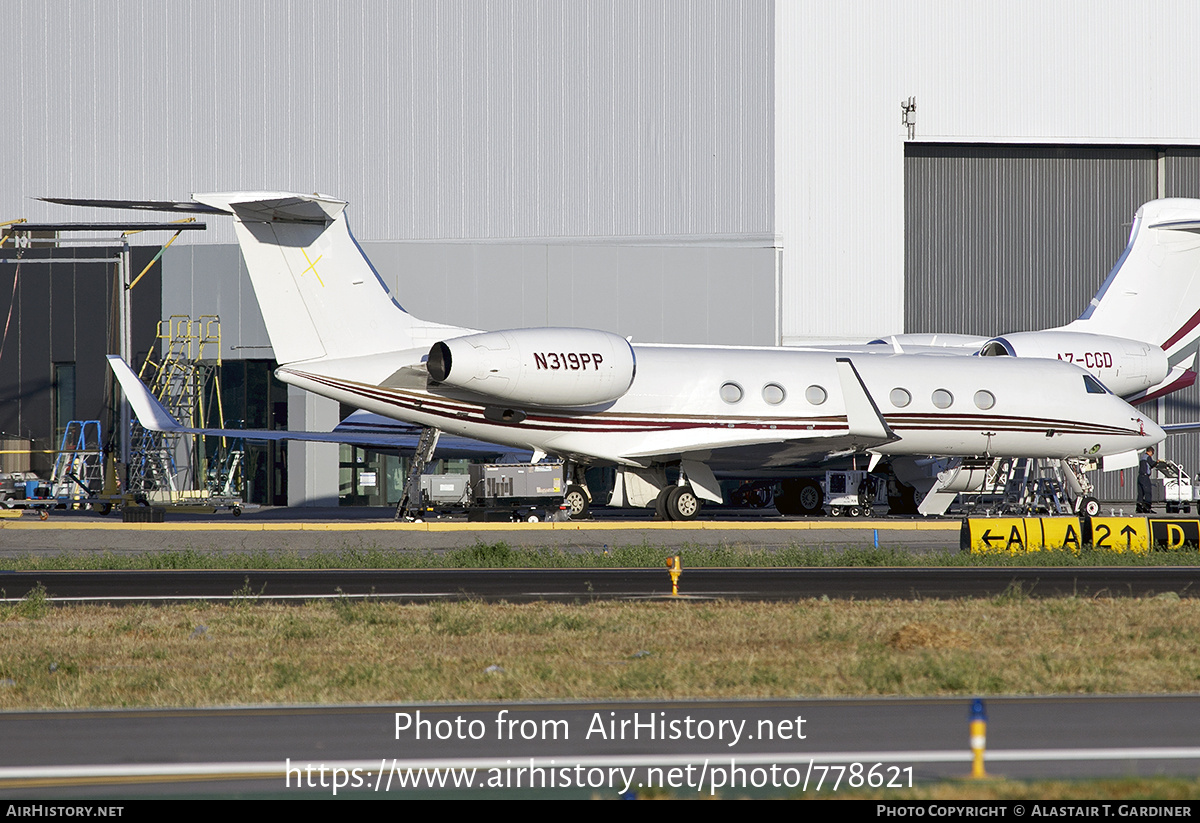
(1002, 238)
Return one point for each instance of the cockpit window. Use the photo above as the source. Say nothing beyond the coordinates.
(1094, 386)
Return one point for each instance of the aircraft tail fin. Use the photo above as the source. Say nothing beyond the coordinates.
(1153, 292)
(319, 294)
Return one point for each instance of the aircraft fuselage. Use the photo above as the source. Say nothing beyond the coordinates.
(718, 403)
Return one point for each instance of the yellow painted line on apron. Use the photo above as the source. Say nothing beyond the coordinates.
(353, 526)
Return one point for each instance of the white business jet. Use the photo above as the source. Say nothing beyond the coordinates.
(1139, 335)
(593, 397)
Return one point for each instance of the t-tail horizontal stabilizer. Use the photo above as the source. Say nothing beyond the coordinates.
(187, 206)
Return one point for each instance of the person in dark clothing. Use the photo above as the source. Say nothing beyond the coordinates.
(1144, 494)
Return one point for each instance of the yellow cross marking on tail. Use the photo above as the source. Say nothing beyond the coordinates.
(312, 266)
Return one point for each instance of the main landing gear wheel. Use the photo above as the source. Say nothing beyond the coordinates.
(811, 498)
(801, 496)
(787, 500)
(682, 504)
(1089, 506)
(577, 502)
(660, 503)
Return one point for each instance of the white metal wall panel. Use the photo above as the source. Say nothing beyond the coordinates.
(1068, 71)
(678, 294)
(839, 169)
(435, 119)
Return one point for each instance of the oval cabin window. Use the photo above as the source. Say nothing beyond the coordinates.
(773, 393)
(731, 392)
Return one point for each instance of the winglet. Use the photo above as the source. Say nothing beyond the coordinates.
(150, 413)
(862, 414)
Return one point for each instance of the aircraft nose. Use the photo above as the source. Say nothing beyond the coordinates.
(1154, 433)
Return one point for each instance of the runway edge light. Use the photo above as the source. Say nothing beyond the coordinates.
(978, 737)
(675, 568)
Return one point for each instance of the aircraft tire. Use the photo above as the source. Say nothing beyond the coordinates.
(1089, 506)
(787, 499)
(660, 504)
(810, 497)
(577, 502)
(683, 504)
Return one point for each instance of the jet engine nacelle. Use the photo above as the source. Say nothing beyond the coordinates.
(1124, 366)
(538, 367)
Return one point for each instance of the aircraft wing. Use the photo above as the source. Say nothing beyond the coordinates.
(188, 207)
(360, 428)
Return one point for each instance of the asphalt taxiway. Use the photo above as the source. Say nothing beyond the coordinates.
(592, 584)
(296, 751)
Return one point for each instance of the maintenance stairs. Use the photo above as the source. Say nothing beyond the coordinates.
(190, 364)
(1033, 485)
(78, 466)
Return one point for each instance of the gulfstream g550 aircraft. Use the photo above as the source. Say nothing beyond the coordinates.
(1139, 334)
(593, 397)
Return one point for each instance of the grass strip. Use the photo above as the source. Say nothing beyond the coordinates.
(248, 652)
(501, 555)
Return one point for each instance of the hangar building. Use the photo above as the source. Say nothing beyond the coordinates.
(700, 172)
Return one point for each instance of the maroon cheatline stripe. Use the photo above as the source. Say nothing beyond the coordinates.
(1001, 422)
(622, 422)
(605, 423)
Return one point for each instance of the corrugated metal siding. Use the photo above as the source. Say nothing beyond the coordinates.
(1182, 180)
(1183, 172)
(435, 119)
(1002, 239)
(839, 169)
(1072, 71)
(64, 313)
(657, 294)
(1066, 71)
